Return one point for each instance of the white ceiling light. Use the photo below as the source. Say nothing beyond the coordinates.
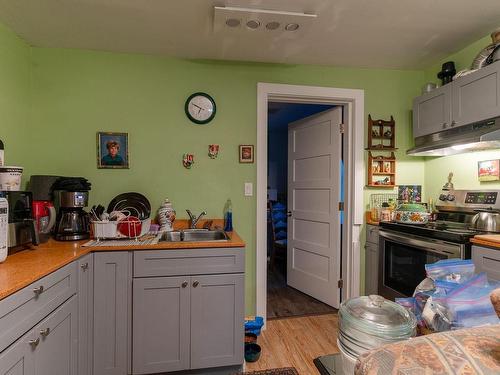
(255, 18)
(292, 27)
(273, 25)
(253, 24)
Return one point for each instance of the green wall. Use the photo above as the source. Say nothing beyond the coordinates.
(72, 94)
(15, 72)
(464, 166)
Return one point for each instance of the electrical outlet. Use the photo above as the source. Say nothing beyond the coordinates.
(248, 189)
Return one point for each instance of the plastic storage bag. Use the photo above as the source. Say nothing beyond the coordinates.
(451, 270)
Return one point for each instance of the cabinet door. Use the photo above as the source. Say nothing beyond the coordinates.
(432, 111)
(161, 324)
(371, 268)
(476, 97)
(217, 320)
(111, 313)
(85, 313)
(18, 359)
(57, 352)
(487, 260)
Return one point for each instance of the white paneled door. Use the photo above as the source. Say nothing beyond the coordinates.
(314, 169)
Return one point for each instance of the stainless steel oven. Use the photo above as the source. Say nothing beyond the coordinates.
(403, 257)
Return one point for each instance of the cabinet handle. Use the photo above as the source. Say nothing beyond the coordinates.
(453, 123)
(196, 283)
(45, 332)
(184, 284)
(445, 125)
(38, 290)
(34, 343)
(84, 266)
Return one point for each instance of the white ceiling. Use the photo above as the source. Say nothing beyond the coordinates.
(361, 33)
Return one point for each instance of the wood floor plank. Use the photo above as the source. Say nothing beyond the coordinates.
(295, 342)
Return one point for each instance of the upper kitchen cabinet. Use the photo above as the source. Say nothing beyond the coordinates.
(476, 97)
(432, 111)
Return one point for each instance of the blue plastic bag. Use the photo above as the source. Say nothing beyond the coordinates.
(451, 270)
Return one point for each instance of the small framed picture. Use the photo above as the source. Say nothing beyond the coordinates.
(488, 170)
(246, 153)
(112, 150)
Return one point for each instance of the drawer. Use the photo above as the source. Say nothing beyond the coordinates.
(372, 234)
(487, 260)
(188, 262)
(25, 308)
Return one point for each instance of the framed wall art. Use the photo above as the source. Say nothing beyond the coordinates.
(488, 170)
(112, 150)
(246, 153)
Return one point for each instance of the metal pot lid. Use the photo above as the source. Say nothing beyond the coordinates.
(377, 311)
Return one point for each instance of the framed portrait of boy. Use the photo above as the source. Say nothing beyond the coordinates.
(246, 153)
(112, 150)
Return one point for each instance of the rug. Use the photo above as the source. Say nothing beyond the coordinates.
(274, 371)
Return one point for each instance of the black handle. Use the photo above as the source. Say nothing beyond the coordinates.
(30, 223)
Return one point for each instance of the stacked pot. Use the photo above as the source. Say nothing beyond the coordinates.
(368, 322)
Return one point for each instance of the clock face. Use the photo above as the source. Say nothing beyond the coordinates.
(200, 108)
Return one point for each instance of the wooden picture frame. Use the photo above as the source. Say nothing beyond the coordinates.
(112, 150)
(246, 153)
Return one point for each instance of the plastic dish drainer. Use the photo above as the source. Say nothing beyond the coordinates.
(107, 230)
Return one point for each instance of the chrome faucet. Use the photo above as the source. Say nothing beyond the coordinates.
(193, 220)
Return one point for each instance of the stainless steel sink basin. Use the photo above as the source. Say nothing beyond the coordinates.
(194, 236)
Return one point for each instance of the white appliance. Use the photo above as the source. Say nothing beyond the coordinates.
(4, 228)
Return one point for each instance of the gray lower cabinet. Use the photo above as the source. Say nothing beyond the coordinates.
(161, 324)
(111, 312)
(371, 260)
(217, 317)
(57, 351)
(85, 295)
(487, 260)
(187, 322)
(18, 358)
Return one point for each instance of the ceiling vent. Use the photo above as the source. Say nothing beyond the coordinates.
(246, 19)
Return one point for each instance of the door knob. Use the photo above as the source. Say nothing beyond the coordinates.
(38, 290)
(196, 283)
(34, 342)
(184, 284)
(45, 332)
(84, 266)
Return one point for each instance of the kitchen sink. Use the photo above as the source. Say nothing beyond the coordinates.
(194, 236)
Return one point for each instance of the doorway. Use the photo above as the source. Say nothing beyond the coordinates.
(352, 102)
(295, 296)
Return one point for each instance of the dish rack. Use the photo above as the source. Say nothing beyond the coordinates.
(108, 230)
(376, 201)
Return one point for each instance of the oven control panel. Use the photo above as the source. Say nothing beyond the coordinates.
(468, 200)
(489, 197)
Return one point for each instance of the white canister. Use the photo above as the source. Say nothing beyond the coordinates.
(166, 216)
(10, 178)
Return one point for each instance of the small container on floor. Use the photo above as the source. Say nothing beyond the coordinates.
(250, 338)
(252, 352)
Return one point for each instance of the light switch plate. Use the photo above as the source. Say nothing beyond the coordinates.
(248, 189)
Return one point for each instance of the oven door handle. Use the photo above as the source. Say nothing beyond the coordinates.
(434, 246)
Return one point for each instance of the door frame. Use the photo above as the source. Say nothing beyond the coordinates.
(352, 101)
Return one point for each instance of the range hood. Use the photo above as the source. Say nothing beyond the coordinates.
(484, 135)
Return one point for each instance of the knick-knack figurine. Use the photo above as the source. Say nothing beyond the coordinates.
(187, 160)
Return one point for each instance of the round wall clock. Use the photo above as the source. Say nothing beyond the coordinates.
(200, 108)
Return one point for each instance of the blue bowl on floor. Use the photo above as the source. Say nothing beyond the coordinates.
(252, 352)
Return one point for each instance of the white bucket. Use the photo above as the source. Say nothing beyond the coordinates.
(10, 178)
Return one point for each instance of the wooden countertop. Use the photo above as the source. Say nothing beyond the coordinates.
(27, 266)
(490, 240)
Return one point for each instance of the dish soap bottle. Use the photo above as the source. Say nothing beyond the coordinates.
(228, 216)
(166, 216)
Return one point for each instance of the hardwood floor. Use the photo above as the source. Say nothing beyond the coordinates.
(284, 301)
(295, 342)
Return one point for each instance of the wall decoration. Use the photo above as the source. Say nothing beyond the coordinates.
(200, 108)
(488, 170)
(382, 167)
(187, 160)
(213, 151)
(410, 193)
(246, 153)
(112, 150)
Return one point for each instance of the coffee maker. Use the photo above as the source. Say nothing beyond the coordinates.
(72, 221)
